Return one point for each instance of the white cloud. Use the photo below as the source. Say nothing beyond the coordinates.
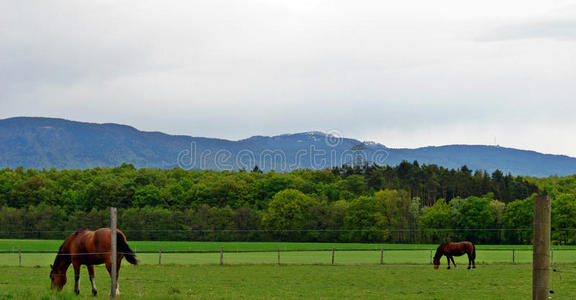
(564, 30)
(407, 73)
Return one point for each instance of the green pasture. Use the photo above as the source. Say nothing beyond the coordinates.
(12, 245)
(293, 282)
(42, 253)
(153, 246)
(341, 257)
(192, 270)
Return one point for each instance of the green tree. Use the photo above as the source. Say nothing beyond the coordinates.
(394, 206)
(476, 220)
(437, 221)
(518, 219)
(366, 223)
(289, 210)
(354, 184)
(564, 218)
(148, 195)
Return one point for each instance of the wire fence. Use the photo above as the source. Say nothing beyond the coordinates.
(17, 251)
(496, 236)
(334, 256)
(27, 253)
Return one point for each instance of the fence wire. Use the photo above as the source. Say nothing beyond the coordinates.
(300, 257)
(163, 254)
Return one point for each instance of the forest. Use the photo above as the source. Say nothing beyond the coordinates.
(407, 203)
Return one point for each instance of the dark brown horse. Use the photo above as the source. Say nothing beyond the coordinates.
(451, 249)
(85, 247)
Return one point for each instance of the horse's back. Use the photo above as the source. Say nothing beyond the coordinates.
(467, 247)
(459, 248)
(91, 247)
(77, 240)
(467, 244)
(460, 244)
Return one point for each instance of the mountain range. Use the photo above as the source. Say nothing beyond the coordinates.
(42, 143)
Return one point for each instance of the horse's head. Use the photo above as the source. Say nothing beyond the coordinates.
(436, 262)
(58, 278)
(438, 255)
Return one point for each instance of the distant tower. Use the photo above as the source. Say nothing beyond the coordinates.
(359, 159)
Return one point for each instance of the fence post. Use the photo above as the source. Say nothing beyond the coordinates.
(278, 256)
(431, 260)
(513, 256)
(333, 250)
(221, 255)
(382, 256)
(541, 248)
(159, 255)
(113, 254)
(19, 256)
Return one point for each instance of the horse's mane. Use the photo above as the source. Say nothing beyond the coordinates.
(60, 256)
(440, 250)
(80, 230)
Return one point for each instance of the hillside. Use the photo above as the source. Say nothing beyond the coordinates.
(62, 144)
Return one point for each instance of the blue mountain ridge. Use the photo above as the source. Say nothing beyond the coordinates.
(42, 143)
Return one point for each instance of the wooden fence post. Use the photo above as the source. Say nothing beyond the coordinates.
(19, 256)
(382, 256)
(278, 256)
(333, 250)
(541, 249)
(159, 255)
(114, 252)
(222, 255)
(431, 260)
(513, 256)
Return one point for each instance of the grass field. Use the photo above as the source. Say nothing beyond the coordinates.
(148, 246)
(251, 271)
(42, 253)
(341, 257)
(152, 246)
(293, 281)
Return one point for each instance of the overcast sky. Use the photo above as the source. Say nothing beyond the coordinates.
(401, 73)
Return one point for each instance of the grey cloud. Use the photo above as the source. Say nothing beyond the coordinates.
(230, 69)
(558, 29)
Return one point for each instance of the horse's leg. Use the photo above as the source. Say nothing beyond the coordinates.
(76, 276)
(469, 261)
(453, 263)
(109, 268)
(448, 258)
(117, 275)
(91, 274)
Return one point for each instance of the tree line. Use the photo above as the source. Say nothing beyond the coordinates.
(408, 203)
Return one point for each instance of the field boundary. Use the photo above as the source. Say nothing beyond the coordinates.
(232, 250)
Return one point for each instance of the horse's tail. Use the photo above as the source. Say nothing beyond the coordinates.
(473, 251)
(125, 249)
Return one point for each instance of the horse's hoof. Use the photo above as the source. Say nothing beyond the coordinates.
(77, 292)
(469, 268)
(94, 292)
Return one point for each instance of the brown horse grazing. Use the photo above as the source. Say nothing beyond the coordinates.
(85, 247)
(451, 249)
